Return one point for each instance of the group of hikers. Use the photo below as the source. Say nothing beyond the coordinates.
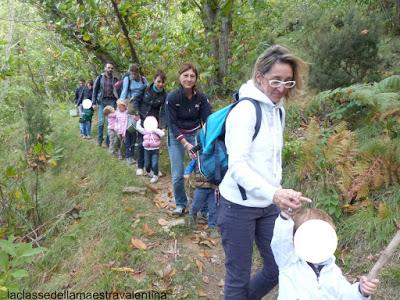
(296, 242)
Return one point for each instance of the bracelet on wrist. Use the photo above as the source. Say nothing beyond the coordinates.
(184, 146)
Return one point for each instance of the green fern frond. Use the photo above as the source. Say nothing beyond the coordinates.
(390, 84)
(341, 126)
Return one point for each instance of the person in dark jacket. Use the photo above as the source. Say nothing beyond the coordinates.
(151, 104)
(79, 94)
(186, 110)
(104, 93)
(88, 93)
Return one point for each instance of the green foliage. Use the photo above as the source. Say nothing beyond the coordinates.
(14, 258)
(37, 121)
(343, 47)
(390, 84)
(15, 199)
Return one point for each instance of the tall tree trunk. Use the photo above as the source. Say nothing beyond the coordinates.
(134, 57)
(224, 46)
(397, 17)
(211, 27)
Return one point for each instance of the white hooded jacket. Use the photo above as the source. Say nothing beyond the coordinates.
(298, 281)
(254, 165)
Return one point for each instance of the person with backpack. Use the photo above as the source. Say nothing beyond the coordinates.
(186, 110)
(152, 104)
(104, 93)
(250, 192)
(133, 87)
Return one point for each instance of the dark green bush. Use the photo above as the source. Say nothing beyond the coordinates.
(344, 50)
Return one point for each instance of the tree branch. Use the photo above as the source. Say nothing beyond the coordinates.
(385, 256)
(125, 31)
(198, 5)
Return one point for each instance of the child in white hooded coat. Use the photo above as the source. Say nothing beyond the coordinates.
(302, 280)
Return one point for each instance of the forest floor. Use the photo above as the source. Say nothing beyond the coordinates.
(126, 241)
(206, 252)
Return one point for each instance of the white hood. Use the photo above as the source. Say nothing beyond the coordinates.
(254, 165)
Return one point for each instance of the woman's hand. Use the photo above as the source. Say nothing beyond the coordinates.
(289, 200)
(368, 287)
(188, 146)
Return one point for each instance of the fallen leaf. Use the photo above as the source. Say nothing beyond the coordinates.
(147, 230)
(124, 270)
(205, 253)
(139, 276)
(129, 209)
(382, 210)
(206, 243)
(201, 293)
(205, 279)
(140, 215)
(162, 222)
(199, 265)
(221, 283)
(187, 267)
(138, 244)
(168, 272)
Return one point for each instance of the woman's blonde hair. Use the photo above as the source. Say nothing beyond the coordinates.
(279, 54)
(306, 214)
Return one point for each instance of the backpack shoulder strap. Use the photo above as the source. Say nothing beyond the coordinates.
(258, 115)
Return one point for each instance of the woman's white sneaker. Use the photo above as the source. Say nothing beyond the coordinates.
(154, 179)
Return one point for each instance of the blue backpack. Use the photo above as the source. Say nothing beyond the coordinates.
(212, 155)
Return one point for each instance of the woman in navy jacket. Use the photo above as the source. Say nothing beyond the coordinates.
(186, 110)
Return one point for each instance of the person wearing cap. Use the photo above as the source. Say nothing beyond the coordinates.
(303, 244)
(86, 118)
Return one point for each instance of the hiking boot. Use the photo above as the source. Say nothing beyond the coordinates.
(203, 218)
(178, 211)
(139, 172)
(154, 179)
(151, 174)
(192, 222)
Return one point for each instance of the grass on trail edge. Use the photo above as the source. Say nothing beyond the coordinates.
(83, 249)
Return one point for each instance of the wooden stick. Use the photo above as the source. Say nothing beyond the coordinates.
(385, 256)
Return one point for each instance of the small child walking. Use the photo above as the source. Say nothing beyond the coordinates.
(86, 118)
(151, 143)
(203, 200)
(303, 246)
(109, 113)
(121, 125)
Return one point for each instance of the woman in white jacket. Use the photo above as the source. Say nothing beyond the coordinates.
(256, 166)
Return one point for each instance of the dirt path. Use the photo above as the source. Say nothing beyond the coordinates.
(206, 252)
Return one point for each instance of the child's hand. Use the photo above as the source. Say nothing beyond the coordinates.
(368, 287)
